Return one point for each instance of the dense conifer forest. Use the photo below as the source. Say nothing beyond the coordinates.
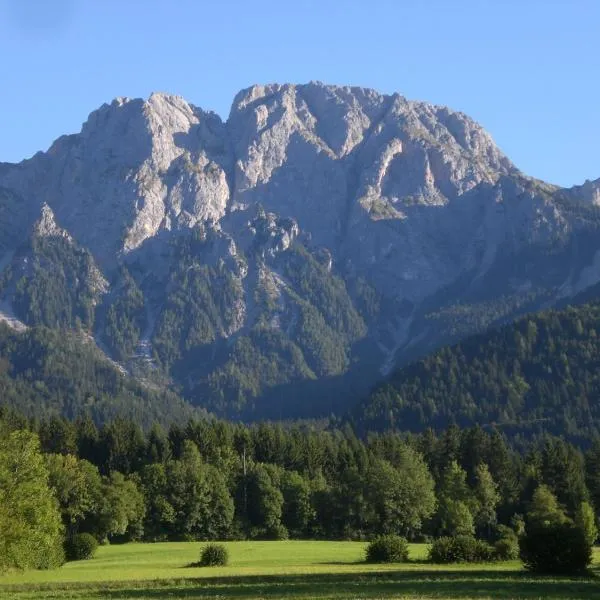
(540, 374)
(56, 372)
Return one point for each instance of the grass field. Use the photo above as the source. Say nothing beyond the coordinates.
(291, 569)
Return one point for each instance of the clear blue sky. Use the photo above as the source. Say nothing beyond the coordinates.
(528, 70)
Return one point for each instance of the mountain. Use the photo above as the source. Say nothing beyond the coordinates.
(279, 263)
(539, 374)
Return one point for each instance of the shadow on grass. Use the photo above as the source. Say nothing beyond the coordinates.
(428, 583)
(337, 563)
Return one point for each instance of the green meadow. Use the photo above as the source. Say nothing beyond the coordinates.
(290, 569)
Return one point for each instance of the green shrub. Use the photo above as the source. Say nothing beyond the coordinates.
(214, 555)
(81, 546)
(555, 548)
(387, 549)
(460, 548)
(507, 548)
(277, 532)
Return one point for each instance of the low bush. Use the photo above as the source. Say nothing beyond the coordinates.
(460, 548)
(507, 548)
(387, 549)
(214, 555)
(278, 532)
(81, 546)
(555, 548)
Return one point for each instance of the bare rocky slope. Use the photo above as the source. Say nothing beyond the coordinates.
(280, 262)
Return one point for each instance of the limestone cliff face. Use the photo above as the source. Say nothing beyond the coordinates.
(431, 231)
(136, 168)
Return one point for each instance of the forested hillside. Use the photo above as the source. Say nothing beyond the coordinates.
(541, 373)
(50, 372)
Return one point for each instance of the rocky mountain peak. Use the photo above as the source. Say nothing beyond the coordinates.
(46, 225)
(589, 192)
(314, 217)
(342, 153)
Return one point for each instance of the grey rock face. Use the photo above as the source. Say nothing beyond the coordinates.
(415, 200)
(136, 168)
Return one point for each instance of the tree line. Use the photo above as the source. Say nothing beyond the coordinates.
(211, 479)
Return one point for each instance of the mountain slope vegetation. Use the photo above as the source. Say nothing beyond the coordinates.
(45, 372)
(541, 373)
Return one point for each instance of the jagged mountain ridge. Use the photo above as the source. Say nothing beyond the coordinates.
(315, 239)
